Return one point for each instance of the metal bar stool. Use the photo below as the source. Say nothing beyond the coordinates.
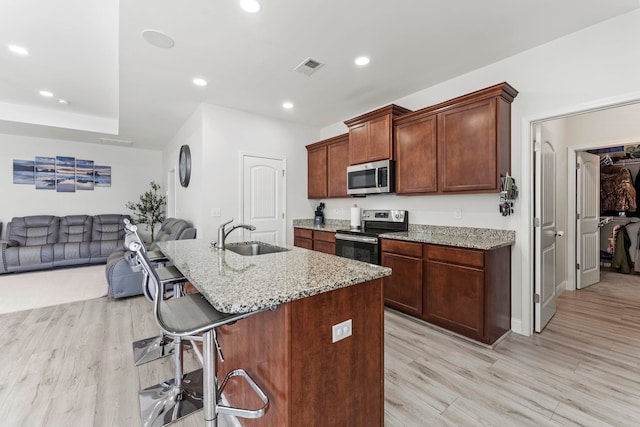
(150, 349)
(185, 318)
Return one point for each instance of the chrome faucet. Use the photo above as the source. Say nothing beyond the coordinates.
(222, 233)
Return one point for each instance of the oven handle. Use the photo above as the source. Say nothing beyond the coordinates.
(362, 239)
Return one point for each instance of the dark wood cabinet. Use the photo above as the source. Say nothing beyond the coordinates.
(327, 163)
(403, 289)
(303, 238)
(471, 142)
(416, 154)
(371, 135)
(317, 240)
(468, 291)
(338, 160)
(324, 241)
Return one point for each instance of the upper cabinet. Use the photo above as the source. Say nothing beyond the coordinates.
(371, 135)
(327, 163)
(459, 146)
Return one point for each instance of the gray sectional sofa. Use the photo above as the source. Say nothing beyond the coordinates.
(45, 241)
(125, 282)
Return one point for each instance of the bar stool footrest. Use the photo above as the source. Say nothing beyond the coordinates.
(242, 412)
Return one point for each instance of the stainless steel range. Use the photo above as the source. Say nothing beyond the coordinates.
(364, 244)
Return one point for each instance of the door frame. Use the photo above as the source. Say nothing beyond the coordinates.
(244, 154)
(526, 326)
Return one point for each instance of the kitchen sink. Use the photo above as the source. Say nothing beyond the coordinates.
(254, 248)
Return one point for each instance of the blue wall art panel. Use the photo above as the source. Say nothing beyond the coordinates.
(23, 172)
(65, 174)
(45, 173)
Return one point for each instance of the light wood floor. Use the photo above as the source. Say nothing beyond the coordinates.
(71, 365)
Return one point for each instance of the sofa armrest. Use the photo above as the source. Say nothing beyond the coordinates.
(4, 244)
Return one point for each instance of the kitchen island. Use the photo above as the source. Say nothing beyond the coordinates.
(289, 350)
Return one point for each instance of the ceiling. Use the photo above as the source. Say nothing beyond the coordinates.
(91, 53)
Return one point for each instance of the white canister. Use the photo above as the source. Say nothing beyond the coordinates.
(355, 216)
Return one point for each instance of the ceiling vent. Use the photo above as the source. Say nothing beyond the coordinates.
(113, 141)
(309, 66)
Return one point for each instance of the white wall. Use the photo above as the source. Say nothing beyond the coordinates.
(591, 67)
(219, 135)
(131, 172)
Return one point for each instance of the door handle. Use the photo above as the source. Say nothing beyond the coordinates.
(559, 233)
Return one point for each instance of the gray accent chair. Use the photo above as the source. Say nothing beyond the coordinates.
(123, 280)
(40, 242)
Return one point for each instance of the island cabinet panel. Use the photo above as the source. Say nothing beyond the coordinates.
(327, 163)
(303, 238)
(403, 289)
(317, 172)
(416, 154)
(468, 291)
(309, 379)
(371, 135)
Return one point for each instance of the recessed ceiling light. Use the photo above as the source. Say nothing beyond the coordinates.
(362, 60)
(18, 49)
(46, 93)
(158, 39)
(251, 6)
(199, 82)
(63, 101)
(287, 105)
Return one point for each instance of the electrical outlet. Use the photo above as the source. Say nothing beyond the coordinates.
(215, 212)
(342, 330)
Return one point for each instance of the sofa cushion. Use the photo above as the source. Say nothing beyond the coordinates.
(173, 229)
(75, 228)
(34, 230)
(25, 258)
(107, 236)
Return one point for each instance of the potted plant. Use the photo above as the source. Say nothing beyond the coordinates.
(150, 209)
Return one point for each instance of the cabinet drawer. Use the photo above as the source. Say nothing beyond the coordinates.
(326, 247)
(402, 248)
(303, 243)
(325, 236)
(305, 233)
(463, 256)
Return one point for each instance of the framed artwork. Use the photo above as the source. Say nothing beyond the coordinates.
(65, 174)
(45, 173)
(84, 174)
(102, 176)
(23, 172)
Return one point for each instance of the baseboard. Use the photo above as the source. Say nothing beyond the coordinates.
(561, 287)
(516, 326)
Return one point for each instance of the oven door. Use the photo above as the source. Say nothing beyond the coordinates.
(360, 248)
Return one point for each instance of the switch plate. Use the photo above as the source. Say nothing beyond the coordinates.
(342, 330)
(215, 212)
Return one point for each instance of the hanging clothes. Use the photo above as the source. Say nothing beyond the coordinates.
(617, 192)
(621, 258)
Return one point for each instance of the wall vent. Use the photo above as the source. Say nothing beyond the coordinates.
(309, 66)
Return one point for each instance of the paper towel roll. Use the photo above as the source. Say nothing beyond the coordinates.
(355, 217)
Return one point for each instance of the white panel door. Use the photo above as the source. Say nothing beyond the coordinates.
(588, 210)
(263, 200)
(545, 230)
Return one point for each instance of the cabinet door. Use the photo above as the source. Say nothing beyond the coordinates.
(468, 148)
(454, 298)
(317, 173)
(358, 141)
(416, 156)
(338, 160)
(380, 139)
(403, 289)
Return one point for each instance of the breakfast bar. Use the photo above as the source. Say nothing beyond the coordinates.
(317, 352)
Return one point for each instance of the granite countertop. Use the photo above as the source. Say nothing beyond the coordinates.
(234, 283)
(464, 237)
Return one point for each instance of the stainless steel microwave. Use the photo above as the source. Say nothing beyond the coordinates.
(371, 178)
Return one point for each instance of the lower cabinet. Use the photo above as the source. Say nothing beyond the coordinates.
(317, 240)
(467, 291)
(403, 289)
